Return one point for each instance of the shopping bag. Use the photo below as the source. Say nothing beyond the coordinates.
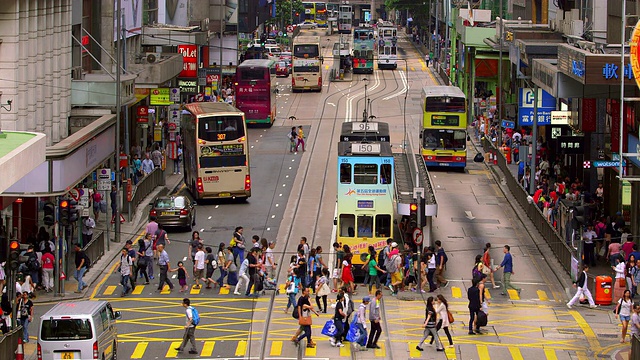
(482, 319)
(329, 329)
(354, 331)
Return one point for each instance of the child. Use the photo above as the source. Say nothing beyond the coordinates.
(636, 278)
(182, 276)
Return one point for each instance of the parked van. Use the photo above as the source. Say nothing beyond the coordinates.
(79, 330)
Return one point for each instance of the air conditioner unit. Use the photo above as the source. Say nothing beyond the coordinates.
(152, 57)
(76, 73)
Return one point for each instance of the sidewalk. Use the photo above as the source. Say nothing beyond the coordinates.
(128, 231)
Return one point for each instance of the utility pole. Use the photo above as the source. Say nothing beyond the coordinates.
(534, 147)
(221, 32)
(116, 215)
(500, 92)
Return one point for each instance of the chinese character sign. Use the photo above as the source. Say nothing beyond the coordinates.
(526, 102)
(634, 53)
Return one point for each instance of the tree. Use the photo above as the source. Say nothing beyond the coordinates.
(286, 11)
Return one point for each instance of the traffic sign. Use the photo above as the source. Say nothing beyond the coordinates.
(279, 33)
(84, 197)
(417, 236)
(103, 179)
(508, 124)
(289, 28)
(602, 164)
(586, 164)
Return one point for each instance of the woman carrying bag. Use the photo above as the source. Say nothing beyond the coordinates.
(304, 310)
(623, 311)
(430, 326)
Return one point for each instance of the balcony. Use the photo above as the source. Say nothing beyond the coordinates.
(99, 89)
(160, 71)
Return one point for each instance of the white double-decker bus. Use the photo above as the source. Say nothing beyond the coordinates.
(307, 64)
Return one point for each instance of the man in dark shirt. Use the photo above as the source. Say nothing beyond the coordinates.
(473, 294)
(253, 271)
(81, 267)
(301, 271)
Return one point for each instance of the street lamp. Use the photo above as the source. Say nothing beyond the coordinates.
(364, 113)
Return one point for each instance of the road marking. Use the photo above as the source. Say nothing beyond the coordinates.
(456, 293)
(209, 218)
(184, 259)
(487, 294)
(138, 290)
(103, 280)
(310, 351)
(139, 351)
(172, 352)
(174, 276)
(450, 353)
(242, 348)
(413, 352)
(483, 352)
(346, 350)
(110, 290)
(542, 295)
(412, 68)
(165, 290)
(550, 354)
(195, 290)
(207, 348)
(281, 288)
(582, 355)
(380, 352)
(224, 290)
(276, 348)
(515, 353)
(513, 295)
(594, 344)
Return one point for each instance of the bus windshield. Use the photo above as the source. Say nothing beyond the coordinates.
(252, 74)
(220, 128)
(439, 139)
(444, 104)
(306, 51)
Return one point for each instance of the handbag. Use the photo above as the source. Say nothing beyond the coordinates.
(450, 315)
(329, 329)
(304, 320)
(485, 269)
(324, 290)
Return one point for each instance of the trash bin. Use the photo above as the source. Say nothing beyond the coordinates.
(604, 290)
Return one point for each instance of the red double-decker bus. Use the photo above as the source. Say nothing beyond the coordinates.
(255, 89)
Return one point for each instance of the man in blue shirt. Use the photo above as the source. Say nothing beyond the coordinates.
(507, 265)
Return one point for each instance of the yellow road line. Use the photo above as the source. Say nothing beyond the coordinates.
(345, 350)
(413, 352)
(172, 352)
(281, 288)
(138, 290)
(165, 290)
(242, 348)
(456, 292)
(194, 290)
(542, 295)
(483, 352)
(276, 348)
(515, 353)
(487, 294)
(582, 355)
(450, 353)
(310, 351)
(139, 350)
(550, 354)
(380, 352)
(110, 290)
(412, 68)
(224, 291)
(207, 348)
(513, 295)
(594, 344)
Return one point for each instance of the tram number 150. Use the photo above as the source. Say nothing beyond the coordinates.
(365, 149)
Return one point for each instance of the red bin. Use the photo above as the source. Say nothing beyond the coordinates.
(604, 290)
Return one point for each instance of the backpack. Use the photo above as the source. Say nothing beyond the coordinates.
(476, 272)
(294, 313)
(393, 266)
(32, 262)
(232, 243)
(212, 261)
(381, 259)
(87, 261)
(195, 316)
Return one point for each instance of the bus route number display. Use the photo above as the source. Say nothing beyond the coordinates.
(364, 126)
(445, 120)
(221, 150)
(365, 149)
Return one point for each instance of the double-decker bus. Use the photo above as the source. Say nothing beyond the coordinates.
(387, 42)
(363, 50)
(216, 156)
(306, 72)
(366, 197)
(444, 126)
(345, 19)
(321, 14)
(255, 89)
(309, 11)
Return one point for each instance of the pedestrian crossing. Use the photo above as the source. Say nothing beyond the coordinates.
(501, 352)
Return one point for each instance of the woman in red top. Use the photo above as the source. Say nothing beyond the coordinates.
(47, 270)
(347, 275)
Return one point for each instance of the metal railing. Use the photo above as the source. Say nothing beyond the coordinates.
(553, 238)
(144, 188)
(635, 348)
(94, 250)
(9, 343)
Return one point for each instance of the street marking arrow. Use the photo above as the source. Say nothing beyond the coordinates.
(469, 215)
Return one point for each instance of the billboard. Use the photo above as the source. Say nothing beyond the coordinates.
(131, 13)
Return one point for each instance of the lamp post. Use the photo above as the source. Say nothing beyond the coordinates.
(364, 113)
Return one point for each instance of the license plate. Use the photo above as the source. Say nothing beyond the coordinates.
(224, 194)
(165, 213)
(307, 87)
(67, 355)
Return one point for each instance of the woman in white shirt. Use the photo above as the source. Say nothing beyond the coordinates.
(431, 270)
(620, 283)
(623, 311)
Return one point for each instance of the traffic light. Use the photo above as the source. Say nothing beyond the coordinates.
(74, 210)
(580, 216)
(14, 254)
(64, 212)
(49, 213)
(413, 211)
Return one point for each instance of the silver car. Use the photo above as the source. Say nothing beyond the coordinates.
(308, 25)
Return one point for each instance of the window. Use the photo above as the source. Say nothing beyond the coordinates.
(383, 225)
(66, 329)
(365, 226)
(365, 174)
(347, 225)
(150, 13)
(105, 319)
(345, 173)
(444, 139)
(385, 174)
(306, 51)
(247, 74)
(220, 128)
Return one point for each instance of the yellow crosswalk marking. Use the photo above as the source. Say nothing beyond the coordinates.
(224, 290)
(346, 350)
(487, 294)
(542, 295)
(456, 293)
(242, 348)
(550, 354)
(515, 353)
(172, 352)
(110, 290)
(310, 351)
(380, 352)
(207, 348)
(413, 69)
(483, 352)
(513, 295)
(582, 355)
(139, 350)
(326, 67)
(276, 348)
(194, 290)
(281, 288)
(450, 353)
(138, 290)
(413, 352)
(165, 290)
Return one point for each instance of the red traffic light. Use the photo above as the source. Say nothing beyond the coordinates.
(413, 207)
(64, 203)
(14, 245)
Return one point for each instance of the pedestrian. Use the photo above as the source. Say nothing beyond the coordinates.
(231, 268)
(313, 268)
(198, 267)
(162, 238)
(429, 326)
(300, 138)
(291, 287)
(164, 265)
(253, 272)
(583, 288)
(148, 254)
(322, 290)
(96, 199)
(431, 268)
(222, 262)
(484, 305)
(347, 275)
(361, 321)
(373, 270)
(441, 261)
(629, 271)
(507, 265)
(193, 245)
(156, 156)
(292, 135)
(623, 312)
(337, 272)
(270, 261)
(442, 311)
(141, 264)
(152, 227)
(147, 165)
(475, 302)
(614, 251)
(237, 244)
(25, 313)
(183, 276)
(304, 309)
(126, 269)
(589, 245)
(339, 318)
(211, 265)
(190, 327)
(619, 284)
(243, 278)
(132, 254)
(47, 271)
(635, 321)
(113, 196)
(374, 319)
(488, 269)
(394, 267)
(82, 263)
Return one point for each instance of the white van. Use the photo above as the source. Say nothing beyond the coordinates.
(79, 330)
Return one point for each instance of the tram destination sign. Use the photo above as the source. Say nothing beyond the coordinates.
(364, 126)
(365, 148)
